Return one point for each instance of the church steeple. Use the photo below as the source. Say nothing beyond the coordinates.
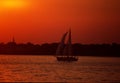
(13, 40)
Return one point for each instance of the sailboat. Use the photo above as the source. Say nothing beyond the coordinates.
(64, 51)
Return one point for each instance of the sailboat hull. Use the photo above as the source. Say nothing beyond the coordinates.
(69, 59)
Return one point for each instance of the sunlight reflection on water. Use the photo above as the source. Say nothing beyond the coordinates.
(47, 69)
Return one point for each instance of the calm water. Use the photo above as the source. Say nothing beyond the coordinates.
(47, 69)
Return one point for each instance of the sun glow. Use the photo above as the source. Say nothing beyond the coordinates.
(13, 3)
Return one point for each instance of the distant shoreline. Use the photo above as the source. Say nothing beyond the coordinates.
(102, 50)
(53, 55)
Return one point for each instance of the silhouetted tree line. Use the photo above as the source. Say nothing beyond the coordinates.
(50, 49)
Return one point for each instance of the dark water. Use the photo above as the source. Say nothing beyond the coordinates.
(47, 69)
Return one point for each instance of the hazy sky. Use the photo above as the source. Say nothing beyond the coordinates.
(40, 21)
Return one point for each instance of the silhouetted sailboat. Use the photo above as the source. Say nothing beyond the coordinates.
(64, 51)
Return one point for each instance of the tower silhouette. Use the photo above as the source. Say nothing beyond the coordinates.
(13, 39)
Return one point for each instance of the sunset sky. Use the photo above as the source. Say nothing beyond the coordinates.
(45, 21)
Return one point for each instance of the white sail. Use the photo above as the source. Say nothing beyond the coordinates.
(60, 48)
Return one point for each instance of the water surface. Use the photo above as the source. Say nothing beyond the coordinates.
(46, 69)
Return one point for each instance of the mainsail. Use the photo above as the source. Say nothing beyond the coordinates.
(68, 47)
(60, 48)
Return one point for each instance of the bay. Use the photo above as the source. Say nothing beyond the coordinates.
(32, 68)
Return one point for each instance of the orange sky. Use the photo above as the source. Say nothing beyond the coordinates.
(40, 21)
